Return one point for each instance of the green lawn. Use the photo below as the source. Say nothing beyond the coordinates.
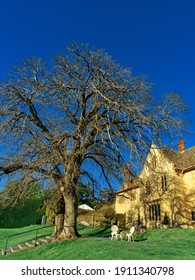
(161, 244)
(29, 234)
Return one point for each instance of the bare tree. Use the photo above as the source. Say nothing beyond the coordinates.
(78, 117)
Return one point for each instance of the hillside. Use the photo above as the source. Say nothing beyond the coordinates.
(161, 244)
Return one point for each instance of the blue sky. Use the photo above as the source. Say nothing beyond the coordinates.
(153, 37)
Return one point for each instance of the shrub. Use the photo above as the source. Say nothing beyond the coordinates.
(21, 215)
(105, 223)
(166, 220)
(108, 212)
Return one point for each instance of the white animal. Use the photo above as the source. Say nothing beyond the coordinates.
(130, 234)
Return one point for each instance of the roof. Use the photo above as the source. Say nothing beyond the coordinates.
(183, 160)
(131, 185)
(85, 207)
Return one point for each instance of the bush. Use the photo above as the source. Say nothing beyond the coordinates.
(108, 212)
(166, 220)
(105, 223)
(21, 215)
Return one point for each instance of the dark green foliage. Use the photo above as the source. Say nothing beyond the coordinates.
(166, 220)
(109, 214)
(85, 194)
(21, 215)
(105, 223)
(16, 192)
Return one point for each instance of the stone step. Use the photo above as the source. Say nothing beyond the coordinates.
(44, 240)
(14, 249)
(8, 251)
(28, 245)
(50, 238)
(22, 246)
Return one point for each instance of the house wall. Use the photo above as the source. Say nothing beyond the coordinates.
(122, 204)
(177, 201)
(125, 201)
(189, 180)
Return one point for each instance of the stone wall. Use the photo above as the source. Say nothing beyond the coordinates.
(92, 218)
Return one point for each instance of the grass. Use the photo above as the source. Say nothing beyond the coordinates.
(29, 235)
(157, 244)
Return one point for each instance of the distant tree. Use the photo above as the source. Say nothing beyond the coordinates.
(16, 193)
(17, 198)
(108, 212)
(84, 194)
(77, 117)
(106, 196)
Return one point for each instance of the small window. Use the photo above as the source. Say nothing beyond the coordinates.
(164, 183)
(148, 187)
(154, 212)
(120, 198)
(193, 215)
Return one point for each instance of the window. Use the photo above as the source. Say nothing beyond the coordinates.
(164, 183)
(120, 198)
(154, 162)
(148, 187)
(154, 212)
(193, 215)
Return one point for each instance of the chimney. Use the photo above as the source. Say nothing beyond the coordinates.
(181, 145)
(127, 173)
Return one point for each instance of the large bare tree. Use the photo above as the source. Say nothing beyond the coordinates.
(78, 116)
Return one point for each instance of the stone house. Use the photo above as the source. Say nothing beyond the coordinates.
(163, 193)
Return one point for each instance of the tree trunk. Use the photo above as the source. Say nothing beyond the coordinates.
(70, 218)
(69, 192)
(59, 223)
(59, 219)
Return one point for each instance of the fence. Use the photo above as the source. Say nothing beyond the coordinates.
(36, 230)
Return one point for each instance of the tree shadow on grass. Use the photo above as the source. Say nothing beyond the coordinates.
(103, 232)
(106, 233)
(142, 237)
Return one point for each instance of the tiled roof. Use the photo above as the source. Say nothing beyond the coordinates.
(185, 159)
(182, 159)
